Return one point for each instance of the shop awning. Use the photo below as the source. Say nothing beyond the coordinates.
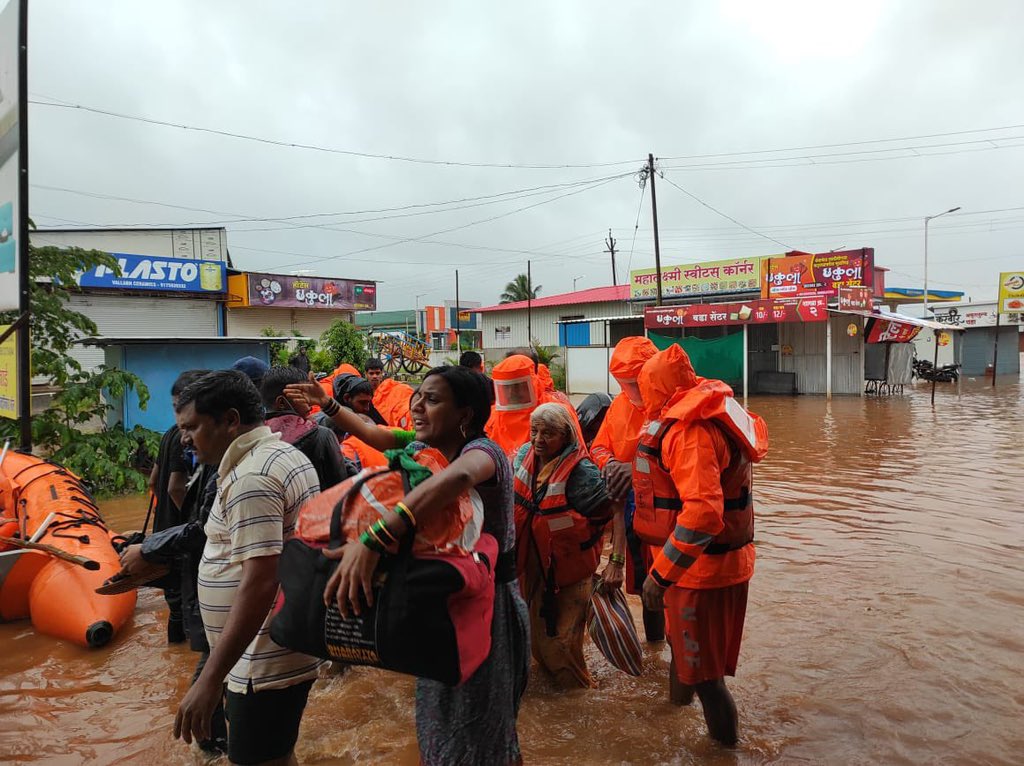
(891, 327)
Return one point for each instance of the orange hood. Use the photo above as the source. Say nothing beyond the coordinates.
(664, 376)
(547, 383)
(629, 357)
(518, 391)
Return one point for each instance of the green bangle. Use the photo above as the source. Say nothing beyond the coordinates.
(403, 512)
(382, 533)
(617, 558)
(371, 542)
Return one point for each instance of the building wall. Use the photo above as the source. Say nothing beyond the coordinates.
(197, 244)
(586, 371)
(808, 359)
(138, 316)
(249, 322)
(545, 331)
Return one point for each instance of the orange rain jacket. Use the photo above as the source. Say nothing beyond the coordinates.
(392, 401)
(619, 433)
(509, 424)
(327, 384)
(708, 433)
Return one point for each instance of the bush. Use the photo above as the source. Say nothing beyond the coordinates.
(343, 342)
(67, 430)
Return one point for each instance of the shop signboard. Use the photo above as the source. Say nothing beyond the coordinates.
(797, 276)
(8, 375)
(735, 275)
(813, 309)
(855, 299)
(293, 292)
(147, 272)
(983, 315)
(889, 331)
(1011, 292)
(10, 105)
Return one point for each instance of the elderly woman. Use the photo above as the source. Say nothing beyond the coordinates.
(561, 510)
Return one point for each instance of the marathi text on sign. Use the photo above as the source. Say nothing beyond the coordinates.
(283, 291)
(735, 275)
(814, 309)
(1011, 292)
(796, 276)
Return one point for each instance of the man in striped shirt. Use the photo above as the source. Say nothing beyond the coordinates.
(261, 484)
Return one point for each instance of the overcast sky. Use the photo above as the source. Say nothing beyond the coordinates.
(540, 83)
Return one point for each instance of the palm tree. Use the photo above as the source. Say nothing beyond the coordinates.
(519, 290)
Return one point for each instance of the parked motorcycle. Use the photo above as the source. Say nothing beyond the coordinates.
(925, 370)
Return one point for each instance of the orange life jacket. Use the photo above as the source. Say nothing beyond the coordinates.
(658, 502)
(362, 453)
(392, 401)
(564, 539)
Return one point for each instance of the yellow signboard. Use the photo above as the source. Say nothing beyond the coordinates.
(9, 375)
(708, 278)
(1011, 292)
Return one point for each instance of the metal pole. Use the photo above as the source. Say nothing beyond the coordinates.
(746, 372)
(995, 351)
(925, 314)
(610, 242)
(654, 216)
(24, 349)
(828, 358)
(529, 306)
(935, 363)
(458, 322)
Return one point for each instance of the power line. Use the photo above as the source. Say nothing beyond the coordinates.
(58, 104)
(724, 215)
(636, 227)
(845, 143)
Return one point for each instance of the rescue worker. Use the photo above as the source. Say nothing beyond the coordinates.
(612, 451)
(327, 384)
(692, 475)
(518, 391)
(391, 399)
(561, 510)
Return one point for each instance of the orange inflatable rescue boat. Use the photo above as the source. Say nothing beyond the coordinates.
(42, 502)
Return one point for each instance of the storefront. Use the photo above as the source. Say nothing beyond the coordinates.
(289, 303)
(171, 282)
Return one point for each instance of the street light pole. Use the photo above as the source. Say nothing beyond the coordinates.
(418, 313)
(927, 220)
(575, 280)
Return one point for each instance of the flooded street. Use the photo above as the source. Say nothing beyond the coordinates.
(885, 623)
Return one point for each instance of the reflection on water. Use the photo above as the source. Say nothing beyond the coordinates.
(884, 623)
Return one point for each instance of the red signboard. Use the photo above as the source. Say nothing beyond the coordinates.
(887, 331)
(855, 298)
(283, 291)
(814, 309)
(796, 276)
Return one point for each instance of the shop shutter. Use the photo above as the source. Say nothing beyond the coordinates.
(138, 316)
(250, 322)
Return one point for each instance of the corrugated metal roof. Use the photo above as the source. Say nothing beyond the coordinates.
(590, 295)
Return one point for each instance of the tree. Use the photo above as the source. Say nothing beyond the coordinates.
(72, 431)
(344, 343)
(519, 290)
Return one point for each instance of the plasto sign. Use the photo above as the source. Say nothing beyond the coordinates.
(145, 272)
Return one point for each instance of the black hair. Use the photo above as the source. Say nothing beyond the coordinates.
(471, 359)
(351, 385)
(529, 353)
(185, 379)
(274, 382)
(469, 389)
(374, 364)
(217, 392)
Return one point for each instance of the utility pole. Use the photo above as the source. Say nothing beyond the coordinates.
(610, 244)
(458, 320)
(529, 306)
(654, 215)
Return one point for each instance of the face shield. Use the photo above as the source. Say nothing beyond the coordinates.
(516, 394)
(631, 389)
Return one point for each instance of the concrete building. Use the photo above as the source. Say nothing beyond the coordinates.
(505, 325)
(293, 303)
(976, 346)
(172, 282)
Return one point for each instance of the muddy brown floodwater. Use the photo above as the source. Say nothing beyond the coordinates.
(885, 623)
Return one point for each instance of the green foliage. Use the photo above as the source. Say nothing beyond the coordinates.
(279, 352)
(558, 376)
(519, 289)
(545, 354)
(320, 361)
(343, 342)
(71, 430)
